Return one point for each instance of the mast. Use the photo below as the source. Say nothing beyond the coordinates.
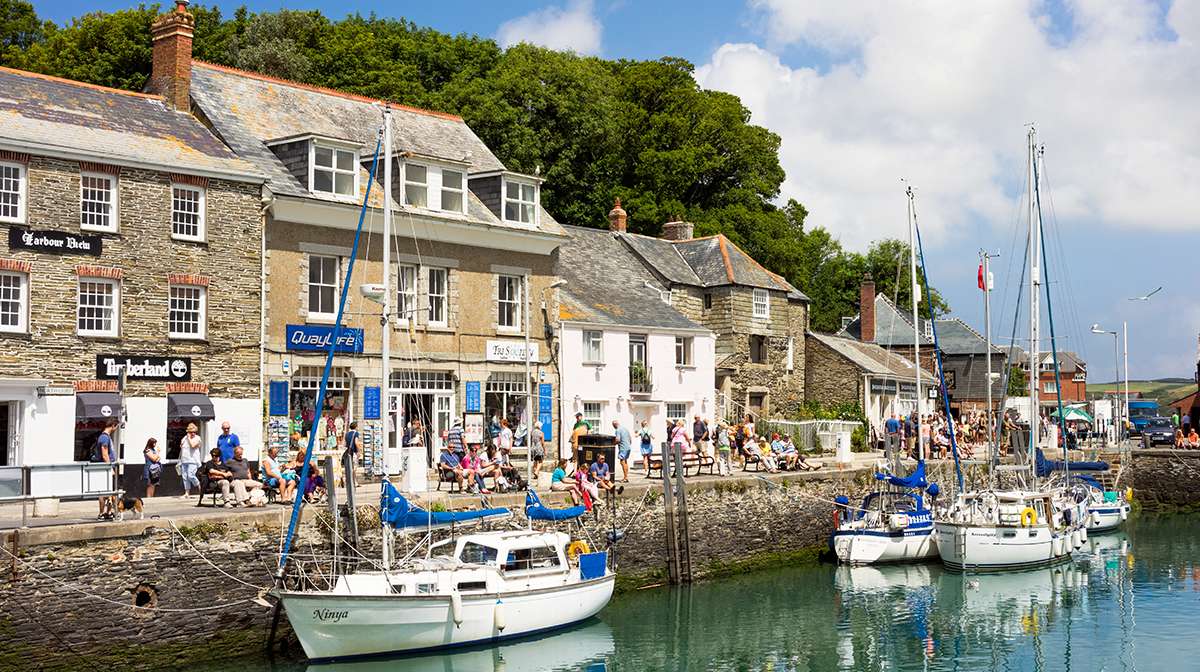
(1035, 286)
(990, 416)
(916, 301)
(385, 383)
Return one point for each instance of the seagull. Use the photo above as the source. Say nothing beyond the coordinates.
(1146, 297)
(973, 584)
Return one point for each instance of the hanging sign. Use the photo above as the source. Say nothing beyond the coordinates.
(278, 395)
(879, 386)
(109, 367)
(316, 337)
(473, 398)
(510, 351)
(55, 242)
(371, 397)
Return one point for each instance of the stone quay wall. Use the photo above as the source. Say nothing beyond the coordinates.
(1164, 479)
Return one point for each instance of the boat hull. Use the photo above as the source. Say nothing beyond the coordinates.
(1104, 518)
(876, 546)
(338, 626)
(998, 548)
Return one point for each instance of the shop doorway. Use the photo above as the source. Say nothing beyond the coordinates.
(427, 396)
(507, 394)
(8, 449)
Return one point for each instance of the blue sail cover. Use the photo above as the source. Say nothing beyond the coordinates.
(914, 480)
(1045, 466)
(536, 510)
(396, 511)
(1091, 482)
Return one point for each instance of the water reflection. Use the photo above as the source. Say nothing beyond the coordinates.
(584, 648)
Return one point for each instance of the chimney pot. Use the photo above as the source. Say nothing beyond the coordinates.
(678, 230)
(617, 218)
(866, 309)
(171, 72)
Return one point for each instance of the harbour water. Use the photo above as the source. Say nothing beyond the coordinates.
(1128, 601)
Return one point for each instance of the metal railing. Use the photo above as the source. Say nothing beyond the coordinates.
(640, 379)
(95, 480)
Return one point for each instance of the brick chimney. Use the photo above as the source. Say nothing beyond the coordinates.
(678, 230)
(171, 74)
(617, 219)
(866, 309)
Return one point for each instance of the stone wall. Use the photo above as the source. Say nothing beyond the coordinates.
(829, 377)
(1164, 479)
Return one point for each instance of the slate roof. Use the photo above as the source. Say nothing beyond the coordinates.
(606, 284)
(109, 125)
(956, 337)
(249, 110)
(893, 327)
(1068, 362)
(712, 261)
(870, 357)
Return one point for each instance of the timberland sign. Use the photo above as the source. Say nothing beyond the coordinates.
(108, 367)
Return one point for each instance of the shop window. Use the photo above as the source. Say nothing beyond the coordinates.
(683, 350)
(186, 317)
(505, 397)
(592, 412)
(14, 302)
(422, 381)
(98, 307)
(416, 185)
(406, 293)
(322, 286)
(187, 212)
(508, 301)
(438, 296)
(305, 384)
(454, 190)
(758, 349)
(12, 192)
(762, 303)
(334, 171)
(593, 347)
(97, 202)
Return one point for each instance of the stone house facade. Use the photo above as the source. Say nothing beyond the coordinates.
(131, 242)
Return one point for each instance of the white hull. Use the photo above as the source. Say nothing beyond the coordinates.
(1106, 517)
(995, 547)
(333, 626)
(880, 545)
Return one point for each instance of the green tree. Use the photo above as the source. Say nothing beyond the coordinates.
(20, 29)
(1018, 383)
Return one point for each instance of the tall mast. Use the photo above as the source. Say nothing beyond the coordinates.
(916, 301)
(989, 415)
(1035, 287)
(385, 385)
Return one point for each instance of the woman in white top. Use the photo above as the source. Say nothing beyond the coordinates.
(190, 449)
(504, 440)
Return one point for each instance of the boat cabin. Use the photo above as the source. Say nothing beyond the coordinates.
(515, 552)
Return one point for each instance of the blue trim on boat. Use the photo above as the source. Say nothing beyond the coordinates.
(955, 567)
(1117, 510)
(872, 533)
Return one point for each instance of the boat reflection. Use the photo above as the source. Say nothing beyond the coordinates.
(586, 648)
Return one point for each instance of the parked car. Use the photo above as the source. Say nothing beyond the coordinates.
(1158, 430)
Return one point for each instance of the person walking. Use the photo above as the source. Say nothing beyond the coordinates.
(190, 456)
(724, 448)
(227, 442)
(623, 445)
(700, 437)
(679, 437)
(647, 444)
(537, 448)
(354, 441)
(152, 470)
(104, 452)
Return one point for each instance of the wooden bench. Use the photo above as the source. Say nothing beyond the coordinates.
(691, 460)
(445, 476)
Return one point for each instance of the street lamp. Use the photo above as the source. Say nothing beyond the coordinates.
(1117, 379)
(529, 409)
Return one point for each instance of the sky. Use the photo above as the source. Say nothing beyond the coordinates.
(939, 93)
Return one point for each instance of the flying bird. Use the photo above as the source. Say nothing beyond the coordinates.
(1146, 297)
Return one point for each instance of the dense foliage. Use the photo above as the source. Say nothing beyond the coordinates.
(596, 129)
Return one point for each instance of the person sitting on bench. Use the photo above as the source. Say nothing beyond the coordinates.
(216, 474)
(449, 464)
(273, 477)
(602, 475)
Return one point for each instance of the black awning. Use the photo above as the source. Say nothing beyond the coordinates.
(97, 406)
(189, 406)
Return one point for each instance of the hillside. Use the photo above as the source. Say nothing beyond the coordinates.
(1164, 390)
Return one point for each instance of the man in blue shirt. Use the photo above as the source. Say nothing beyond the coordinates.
(105, 451)
(448, 464)
(600, 474)
(892, 429)
(624, 442)
(227, 441)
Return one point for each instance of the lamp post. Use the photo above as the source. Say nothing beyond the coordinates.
(1117, 372)
(529, 409)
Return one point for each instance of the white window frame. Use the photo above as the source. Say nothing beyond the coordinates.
(1049, 387)
(333, 169)
(684, 347)
(516, 299)
(421, 185)
(202, 313)
(505, 200)
(309, 284)
(433, 298)
(113, 202)
(461, 191)
(21, 192)
(201, 204)
(761, 299)
(22, 325)
(406, 293)
(116, 307)
(677, 410)
(588, 407)
(593, 347)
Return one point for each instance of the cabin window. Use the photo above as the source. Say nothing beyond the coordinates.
(465, 586)
(398, 588)
(762, 303)
(541, 557)
(477, 554)
(426, 588)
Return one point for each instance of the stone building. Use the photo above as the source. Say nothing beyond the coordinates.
(758, 317)
(472, 265)
(132, 244)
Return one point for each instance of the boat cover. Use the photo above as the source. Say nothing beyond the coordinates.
(914, 480)
(1091, 482)
(395, 510)
(536, 510)
(1044, 466)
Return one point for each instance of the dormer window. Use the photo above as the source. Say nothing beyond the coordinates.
(334, 171)
(454, 190)
(416, 185)
(520, 202)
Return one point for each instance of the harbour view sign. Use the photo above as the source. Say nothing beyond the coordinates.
(56, 242)
(316, 337)
(108, 367)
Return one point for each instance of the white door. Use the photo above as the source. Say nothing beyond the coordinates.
(443, 415)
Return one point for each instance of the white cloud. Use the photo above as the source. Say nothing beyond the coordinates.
(572, 28)
(939, 93)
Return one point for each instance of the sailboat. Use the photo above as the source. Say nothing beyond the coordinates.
(892, 524)
(1035, 524)
(492, 585)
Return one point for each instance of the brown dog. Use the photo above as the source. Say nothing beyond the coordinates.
(129, 504)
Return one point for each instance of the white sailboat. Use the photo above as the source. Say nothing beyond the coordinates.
(493, 585)
(1034, 525)
(893, 524)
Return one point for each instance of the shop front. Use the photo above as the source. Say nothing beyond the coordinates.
(331, 420)
(428, 397)
(888, 396)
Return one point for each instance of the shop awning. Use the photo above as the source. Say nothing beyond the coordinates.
(189, 406)
(97, 405)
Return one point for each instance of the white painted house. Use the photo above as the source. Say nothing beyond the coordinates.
(625, 353)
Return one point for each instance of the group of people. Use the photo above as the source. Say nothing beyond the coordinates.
(471, 466)
(585, 482)
(932, 432)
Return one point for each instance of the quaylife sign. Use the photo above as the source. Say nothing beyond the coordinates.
(315, 337)
(510, 351)
(56, 242)
(108, 367)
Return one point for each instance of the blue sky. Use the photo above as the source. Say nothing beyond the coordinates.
(938, 92)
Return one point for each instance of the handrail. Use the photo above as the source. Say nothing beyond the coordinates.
(26, 473)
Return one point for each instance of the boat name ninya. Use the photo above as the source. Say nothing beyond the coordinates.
(329, 615)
